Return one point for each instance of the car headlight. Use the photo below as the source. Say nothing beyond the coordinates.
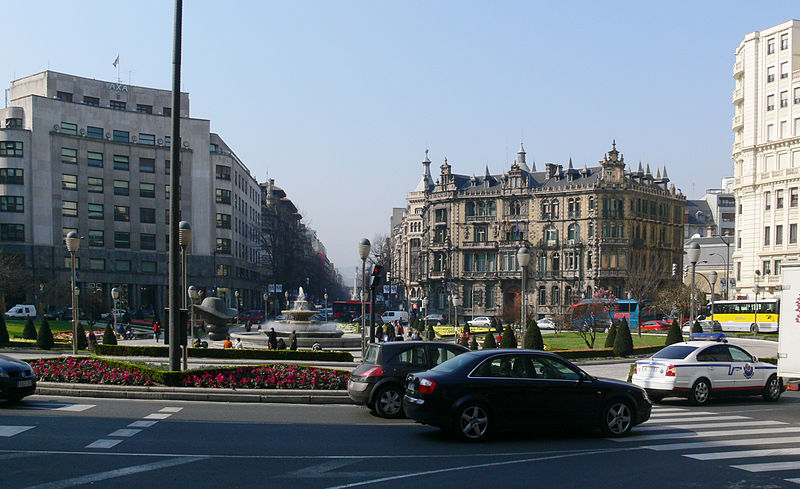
(3, 373)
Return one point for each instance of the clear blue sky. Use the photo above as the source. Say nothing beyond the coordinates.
(338, 100)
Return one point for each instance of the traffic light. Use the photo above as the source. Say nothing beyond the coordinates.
(685, 271)
(674, 269)
(377, 277)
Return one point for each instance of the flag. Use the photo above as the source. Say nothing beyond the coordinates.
(507, 224)
(116, 61)
(517, 227)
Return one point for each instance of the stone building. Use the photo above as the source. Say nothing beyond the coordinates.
(586, 228)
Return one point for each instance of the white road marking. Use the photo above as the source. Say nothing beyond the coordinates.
(765, 452)
(142, 424)
(75, 407)
(699, 420)
(796, 481)
(724, 443)
(670, 410)
(8, 431)
(724, 424)
(682, 414)
(124, 432)
(323, 470)
(769, 467)
(158, 416)
(170, 409)
(103, 443)
(112, 474)
(709, 434)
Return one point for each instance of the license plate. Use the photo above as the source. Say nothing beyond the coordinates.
(410, 385)
(24, 383)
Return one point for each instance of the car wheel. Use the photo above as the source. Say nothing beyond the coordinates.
(371, 406)
(754, 328)
(471, 422)
(700, 393)
(772, 389)
(617, 418)
(389, 402)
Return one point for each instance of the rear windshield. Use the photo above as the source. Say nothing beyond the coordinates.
(675, 352)
(454, 363)
(372, 354)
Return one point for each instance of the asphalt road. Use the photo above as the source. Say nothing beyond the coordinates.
(52, 443)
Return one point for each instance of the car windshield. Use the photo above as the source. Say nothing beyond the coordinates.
(372, 354)
(453, 364)
(675, 352)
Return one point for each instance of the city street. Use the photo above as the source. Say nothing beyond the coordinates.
(49, 442)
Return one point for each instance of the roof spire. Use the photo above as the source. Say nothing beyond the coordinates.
(665, 172)
(570, 163)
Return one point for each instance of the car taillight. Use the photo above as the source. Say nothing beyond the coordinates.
(426, 386)
(373, 372)
(636, 368)
(671, 371)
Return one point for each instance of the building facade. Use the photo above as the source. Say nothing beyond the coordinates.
(588, 228)
(766, 154)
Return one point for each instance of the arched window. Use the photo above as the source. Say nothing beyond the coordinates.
(589, 260)
(515, 208)
(568, 294)
(546, 209)
(572, 232)
(542, 295)
(542, 262)
(554, 208)
(555, 295)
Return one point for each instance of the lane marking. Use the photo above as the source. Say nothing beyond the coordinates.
(124, 432)
(769, 467)
(112, 474)
(796, 481)
(142, 424)
(323, 470)
(7, 456)
(670, 410)
(684, 413)
(75, 407)
(708, 434)
(103, 443)
(170, 409)
(765, 452)
(725, 424)
(158, 416)
(9, 431)
(724, 443)
(700, 420)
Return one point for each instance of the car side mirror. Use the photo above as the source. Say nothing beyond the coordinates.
(755, 359)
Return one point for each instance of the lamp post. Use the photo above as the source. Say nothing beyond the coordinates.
(194, 294)
(325, 296)
(456, 303)
(266, 304)
(184, 238)
(713, 276)
(524, 258)
(693, 254)
(73, 242)
(236, 294)
(363, 252)
(756, 289)
(114, 298)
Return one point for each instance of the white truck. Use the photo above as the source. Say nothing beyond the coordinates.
(789, 325)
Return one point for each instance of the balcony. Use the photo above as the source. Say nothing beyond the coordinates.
(738, 122)
(547, 244)
(738, 69)
(737, 147)
(479, 244)
(481, 218)
(738, 95)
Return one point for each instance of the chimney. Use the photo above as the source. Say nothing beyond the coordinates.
(550, 168)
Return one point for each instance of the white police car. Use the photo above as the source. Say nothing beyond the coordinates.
(700, 369)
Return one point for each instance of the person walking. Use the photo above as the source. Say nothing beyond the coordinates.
(399, 331)
(273, 339)
(156, 329)
(389, 332)
(293, 340)
(430, 335)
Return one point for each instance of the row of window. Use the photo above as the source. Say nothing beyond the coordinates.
(147, 241)
(793, 198)
(113, 104)
(784, 99)
(69, 156)
(118, 136)
(11, 176)
(14, 123)
(99, 265)
(12, 149)
(784, 67)
(778, 234)
(771, 43)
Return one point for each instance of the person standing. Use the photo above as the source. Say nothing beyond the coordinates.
(156, 329)
(293, 340)
(390, 332)
(379, 333)
(273, 339)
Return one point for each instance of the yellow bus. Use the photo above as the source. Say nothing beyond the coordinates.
(740, 315)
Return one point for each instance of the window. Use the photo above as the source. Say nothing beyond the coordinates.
(793, 197)
(784, 42)
(12, 203)
(13, 176)
(94, 158)
(94, 132)
(489, 297)
(147, 215)
(69, 208)
(767, 200)
(12, 232)
(223, 270)
(149, 267)
(223, 246)
(166, 167)
(122, 265)
(481, 234)
(440, 215)
(147, 165)
(779, 199)
(784, 99)
(797, 95)
(147, 190)
(69, 128)
(765, 267)
(122, 239)
(122, 213)
(166, 111)
(542, 299)
(223, 196)
(144, 109)
(766, 235)
(572, 232)
(224, 221)
(148, 139)
(69, 182)
(117, 105)
(14, 123)
(121, 187)
(770, 74)
(223, 172)
(784, 69)
(515, 208)
(121, 162)
(770, 102)
(591, 203)
(147, 241)
(97, 264)
(167, 140)
(792, 233)
(96, 238)
(95, 185)
(93, 101)
(121, 136)
(777, 267)
(11, 148)
(95, 211)
(64, 96)
(779, 234)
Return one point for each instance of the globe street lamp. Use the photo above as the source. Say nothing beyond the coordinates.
(325, 296)
(73, 242)
(693, 254)
(184, 238)
(756, 289)
(266, 303)
(713, 276)
(114, 298)
(524, 258)
(363, 252)
(194, 294)
(456, 303)
(237, 307)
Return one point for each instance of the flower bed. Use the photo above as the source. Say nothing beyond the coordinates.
(278, 376)
(86, 371)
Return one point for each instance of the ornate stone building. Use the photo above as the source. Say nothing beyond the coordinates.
(585, 228)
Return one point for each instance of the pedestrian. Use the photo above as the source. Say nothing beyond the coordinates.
(379, 333)
(248, 326)
(400, 331)
(238, 345)
(281, 344)
(128, 332)
(415, 336)
(273, 339)
(430, 335)
(196, 343)
(156, 329)
(293, 340)
(227, 343)
(389, 333)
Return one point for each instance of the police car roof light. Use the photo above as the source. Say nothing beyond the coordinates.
(709, 336)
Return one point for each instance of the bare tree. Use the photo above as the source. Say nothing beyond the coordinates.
(643, 280)
(14, 277)
(588, 320)
(673, 301)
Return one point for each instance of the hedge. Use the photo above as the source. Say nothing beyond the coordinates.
(229, 353)
(604, 352)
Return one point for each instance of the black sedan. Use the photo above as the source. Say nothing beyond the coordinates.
(484, 391)
(17, 379)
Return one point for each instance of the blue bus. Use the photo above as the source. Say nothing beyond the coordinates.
(626, 308)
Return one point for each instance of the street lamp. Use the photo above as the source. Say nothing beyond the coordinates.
(756, 289)
(184, 238)
(237, 306)
(194, 294)
(73, 242)
(114, 298)
(266, 303)
(713, 276)
(524, 258)
(693, 254)
(456, 303)
(325, 296)
(363, 252)
(727, 285)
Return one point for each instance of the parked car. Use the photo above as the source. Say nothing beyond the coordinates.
(656, 325)
(483, 391)
(546, 323)
(378, 382)
(21, 311)
(17, 379)
(107, 316)
(435, 319)
(480, 321)
(254, 316)
(708, 326)
(66, 314)
(699, 370)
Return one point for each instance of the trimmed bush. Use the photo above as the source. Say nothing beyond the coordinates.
(44, 339)
(509, 339)
(674, 334)
(623, 343)
(231, 353)
(489, 341)
(4, 339)
(29, 331)
(612, 335)
(83, 343)
(696, 328)
(498, 325)
(109, 338)
(533, 336)
(473, 343)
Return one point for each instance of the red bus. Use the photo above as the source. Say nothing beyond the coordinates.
(347, 310)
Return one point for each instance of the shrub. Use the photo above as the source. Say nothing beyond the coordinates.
(228, 353)
(489, 341)
(109, 338)
(498, 325)
(623, 343)
(44, 339)
(473, 343)
(509, 339)
(4, 339)
(696, 328)
(612, 335)
(82, 341)
(674, 334)
(29, 331)
(533, 336)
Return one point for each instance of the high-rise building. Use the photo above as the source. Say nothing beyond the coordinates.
(766, 154)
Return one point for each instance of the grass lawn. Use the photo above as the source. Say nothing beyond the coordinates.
(16, 326)
(568, 340)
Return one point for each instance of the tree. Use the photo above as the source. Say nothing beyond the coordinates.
(509, 339)
(44, 338)
(473, 343)
(673, 301)
(82, 341)
(696, 328)
(109, 338)
(533, 336)
(623, 343)
(646, 275)
(14, 277)
(674, 334)
(4, 339)
(489, 341)
(29, 331)
(93, 304)
(585, 319)
(612, 335)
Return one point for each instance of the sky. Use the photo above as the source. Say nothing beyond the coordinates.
(337, 101)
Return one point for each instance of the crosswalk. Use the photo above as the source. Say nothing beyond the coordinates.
(750, 445)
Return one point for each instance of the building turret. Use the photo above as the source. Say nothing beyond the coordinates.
(521, 159)
(426, 182)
